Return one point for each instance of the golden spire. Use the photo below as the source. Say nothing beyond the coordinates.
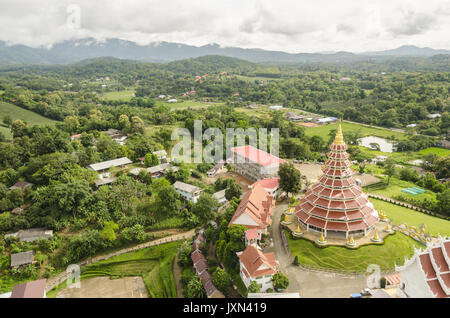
(375, 237)
(387, 228)
(351, 240)
(298, 228)
(286, 218)
(289, 209)
(322, 238)
(339, 139)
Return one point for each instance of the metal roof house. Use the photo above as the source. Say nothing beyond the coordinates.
(34, 289)
(19, 259)
(187, 191)
(105, 165)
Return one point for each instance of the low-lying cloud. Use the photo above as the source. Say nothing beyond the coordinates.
(294, 26)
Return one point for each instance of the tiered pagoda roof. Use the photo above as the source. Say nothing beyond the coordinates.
(336, 202)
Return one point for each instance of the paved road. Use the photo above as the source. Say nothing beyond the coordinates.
(311, 284)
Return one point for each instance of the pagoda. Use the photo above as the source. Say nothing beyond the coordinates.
(336, 205)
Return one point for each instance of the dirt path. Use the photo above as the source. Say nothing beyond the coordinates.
(177, 277)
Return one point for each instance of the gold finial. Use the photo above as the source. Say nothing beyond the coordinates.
(351, 240)
(339, 139)
(322, 238)
(387, 228)
(289, 209)
(286, 218)
(375, 237)
(298, 228)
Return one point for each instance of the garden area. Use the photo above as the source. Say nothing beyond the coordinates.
(394, 250)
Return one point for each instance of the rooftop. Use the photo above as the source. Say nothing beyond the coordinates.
(256, 155)
(110, 163)
(34, 289)
(23, 258)
(185, 187)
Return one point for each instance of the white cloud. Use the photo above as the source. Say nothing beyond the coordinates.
(294, 26)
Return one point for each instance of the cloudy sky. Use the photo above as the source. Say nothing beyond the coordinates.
(285, 25)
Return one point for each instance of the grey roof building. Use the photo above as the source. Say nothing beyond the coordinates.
(32, 234)
(110, 163)
(20, 185)
(19, 259)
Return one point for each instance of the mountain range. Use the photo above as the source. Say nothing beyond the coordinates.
(162, 52)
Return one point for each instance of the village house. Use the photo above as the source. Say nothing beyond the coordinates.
(254, 210)
(255, 164)
(34, 289)
(220, 196)
(326, 120)
(20, 259)
(161, 154)
(188, 191)
(156, 171)
(218, 167)
(106, 165)
(293, 116)
(257, 266)
(21, 185)
(252, 237)
(31, 234)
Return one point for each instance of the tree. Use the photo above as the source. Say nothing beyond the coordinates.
(7, 120)
(280, 281)
(389, 168)
(233, 191)
(221, 280)
(290, 178)
(254, 287)
(184, 254)
(109, 231)
(444, 202)
(205, 206)
(194, 289)
(151, 160)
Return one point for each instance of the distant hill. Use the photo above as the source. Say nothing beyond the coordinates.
(408, 50)
(77, 50)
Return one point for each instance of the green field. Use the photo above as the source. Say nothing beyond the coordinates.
(119, 95)
(324, 130)
(6, 132)
(398, 215)
(187, 104)
(154, 264)
(436, 151)
(28, 116)
(395, 188)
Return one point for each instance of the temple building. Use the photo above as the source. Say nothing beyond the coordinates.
(255, 164)
(427, 273)
(336, 205)
(254, 210)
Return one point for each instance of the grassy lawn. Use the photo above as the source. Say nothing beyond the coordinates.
(125, 95)
(393, 251)
(399, 215)
(6, 132)
(28, 116)
(324, 130)
(395, 188)
(436, 151)
(154, 264)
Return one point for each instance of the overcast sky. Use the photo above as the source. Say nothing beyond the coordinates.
(285, 25)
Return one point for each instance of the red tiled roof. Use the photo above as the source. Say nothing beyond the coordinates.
(271, 183)
(258, 205)
(252, 258)
(197, 256)
(256, 155)
(34, 289)
(427, 266)
(200, 266)
(252, 234)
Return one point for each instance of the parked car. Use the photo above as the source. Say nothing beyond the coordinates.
(355, 295)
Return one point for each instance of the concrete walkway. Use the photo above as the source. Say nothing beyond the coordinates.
(54, 281)
(312, 284)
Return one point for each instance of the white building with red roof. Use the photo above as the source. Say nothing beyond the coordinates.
(255, 164)
(257, 266)
(271, 185)
(427, 273)
(337, 205)
(254, 210)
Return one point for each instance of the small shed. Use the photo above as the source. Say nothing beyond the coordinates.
(19, 259)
